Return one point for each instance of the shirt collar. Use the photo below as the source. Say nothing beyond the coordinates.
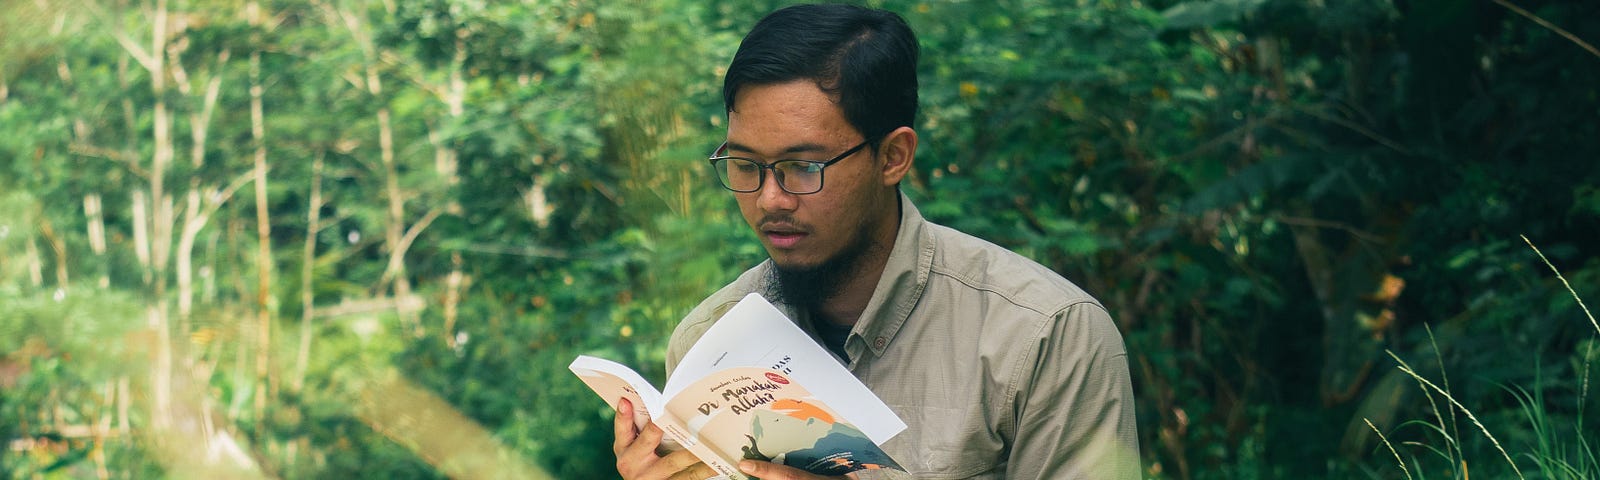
(905, 276)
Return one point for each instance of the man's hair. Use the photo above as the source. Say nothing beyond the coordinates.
(866, 59)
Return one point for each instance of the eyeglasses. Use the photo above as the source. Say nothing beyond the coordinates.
(798, 177)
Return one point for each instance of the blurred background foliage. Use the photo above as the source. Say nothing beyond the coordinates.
(362, 239)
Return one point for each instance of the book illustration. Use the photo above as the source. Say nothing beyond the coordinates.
(771, 418)
(836, 447)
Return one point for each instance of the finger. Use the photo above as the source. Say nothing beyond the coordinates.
(638, 459)
(696, 471)
(773, 471)
(684, 462)
(641, 454)
(648, 439)
(623, 427)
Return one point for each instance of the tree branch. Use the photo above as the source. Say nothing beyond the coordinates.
(1563, 33)
(1364, 131)
(127, 161)
(1319, 223)
(397, 257)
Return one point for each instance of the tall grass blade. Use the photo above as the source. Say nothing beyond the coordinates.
(1583, 393)
(1404, 367)
(1438, 358)
(1564, 282)
(1392, 451)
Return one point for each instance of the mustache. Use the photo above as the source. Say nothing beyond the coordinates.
(780, 221)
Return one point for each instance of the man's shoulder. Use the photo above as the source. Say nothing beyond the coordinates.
(712, 308)
(980, 264)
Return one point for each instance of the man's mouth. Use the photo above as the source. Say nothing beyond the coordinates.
(782, 236)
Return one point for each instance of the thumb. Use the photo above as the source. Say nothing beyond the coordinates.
(756, 469)
(773, 471)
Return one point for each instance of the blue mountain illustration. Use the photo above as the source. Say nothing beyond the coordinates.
(813, 443)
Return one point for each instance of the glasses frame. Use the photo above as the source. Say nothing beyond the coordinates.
(761, 180)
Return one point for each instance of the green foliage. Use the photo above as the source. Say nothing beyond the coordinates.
(64, 346)
(1267, 194)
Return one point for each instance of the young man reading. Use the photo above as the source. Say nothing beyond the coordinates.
(999, 367)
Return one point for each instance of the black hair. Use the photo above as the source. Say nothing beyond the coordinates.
(865, 58)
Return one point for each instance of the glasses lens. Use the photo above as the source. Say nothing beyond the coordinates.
(738, 174)
(799, 177)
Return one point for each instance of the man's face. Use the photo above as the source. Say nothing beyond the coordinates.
(796, 120)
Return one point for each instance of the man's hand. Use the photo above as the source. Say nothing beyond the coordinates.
(773, 471)
(636, 452)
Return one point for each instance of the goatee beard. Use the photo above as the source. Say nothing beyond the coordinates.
(809, 287)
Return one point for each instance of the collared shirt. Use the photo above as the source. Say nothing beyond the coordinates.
(999, 367)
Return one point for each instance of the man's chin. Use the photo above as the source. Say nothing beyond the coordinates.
(791, 264)
(809, 281)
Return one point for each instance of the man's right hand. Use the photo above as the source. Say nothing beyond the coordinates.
(636, 452)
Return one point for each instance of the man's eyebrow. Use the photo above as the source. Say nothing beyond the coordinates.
(790, 150)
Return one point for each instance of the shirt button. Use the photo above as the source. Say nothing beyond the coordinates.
(880, 343)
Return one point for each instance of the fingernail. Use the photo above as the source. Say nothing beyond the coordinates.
(747, 467)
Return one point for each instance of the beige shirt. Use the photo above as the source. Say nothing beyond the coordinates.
(999, 367)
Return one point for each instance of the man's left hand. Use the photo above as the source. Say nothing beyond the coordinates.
(773, 471)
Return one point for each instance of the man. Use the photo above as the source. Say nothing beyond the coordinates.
(999, 367)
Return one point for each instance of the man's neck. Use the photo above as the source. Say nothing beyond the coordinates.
(846, 306)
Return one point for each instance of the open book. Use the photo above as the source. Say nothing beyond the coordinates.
(756, 386)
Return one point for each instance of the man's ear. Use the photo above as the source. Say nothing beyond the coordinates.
(897, 150)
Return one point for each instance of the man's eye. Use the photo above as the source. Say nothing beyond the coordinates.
(800, 168)
(745, 167)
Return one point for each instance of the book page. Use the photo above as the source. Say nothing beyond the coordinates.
(613, 381)
(755, 334)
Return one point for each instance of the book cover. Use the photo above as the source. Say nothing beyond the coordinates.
(782, 399)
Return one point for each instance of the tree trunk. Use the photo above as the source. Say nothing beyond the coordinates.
(158, 225)
(394, 231)
(263, 226)
(446, 163)
(452, 299)
(92, 208)
(35, 264)
(196, 212)
(394, 223)
(307, 266)
(57, 247)
(141, 232)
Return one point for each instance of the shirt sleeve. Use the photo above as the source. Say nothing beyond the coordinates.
(1075, 408)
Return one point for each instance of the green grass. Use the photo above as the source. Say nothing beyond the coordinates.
(1558, 447)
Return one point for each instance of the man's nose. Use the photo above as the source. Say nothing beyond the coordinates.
(772, 197)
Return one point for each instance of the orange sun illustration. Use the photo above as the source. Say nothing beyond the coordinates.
(801, 410)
